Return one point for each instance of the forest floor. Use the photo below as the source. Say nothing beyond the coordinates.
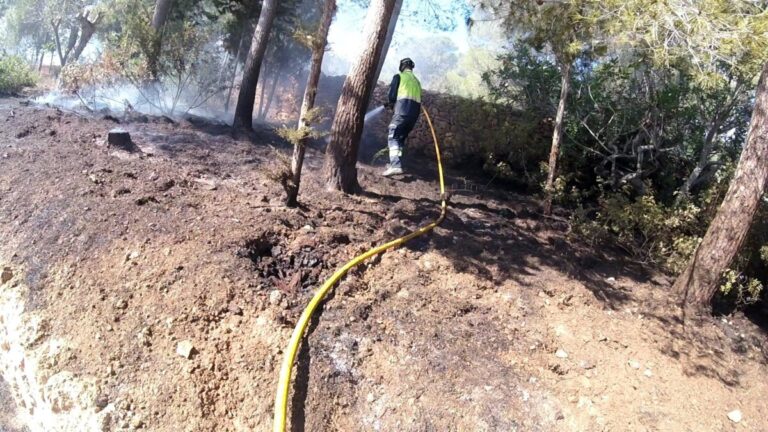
(499, 320)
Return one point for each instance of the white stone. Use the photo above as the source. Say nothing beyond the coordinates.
(185, 348)
(560, 353)
(634, 364)
(275, 296)
(735, 416)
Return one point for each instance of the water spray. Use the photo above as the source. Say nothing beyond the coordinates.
(374, 113)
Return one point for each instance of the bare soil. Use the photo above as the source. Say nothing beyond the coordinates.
(497, 321)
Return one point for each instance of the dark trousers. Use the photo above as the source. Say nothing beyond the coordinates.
(399, 128)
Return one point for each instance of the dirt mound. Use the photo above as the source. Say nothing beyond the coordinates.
(496, 321)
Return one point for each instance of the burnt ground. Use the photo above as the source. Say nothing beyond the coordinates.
(499, 320)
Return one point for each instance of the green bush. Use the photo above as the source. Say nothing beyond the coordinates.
(645, 228)
(15, 74)
(739, 289)
(669, 234)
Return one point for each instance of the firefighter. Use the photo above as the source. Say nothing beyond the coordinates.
(405, 101)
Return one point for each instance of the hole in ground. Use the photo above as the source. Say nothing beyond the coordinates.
(279, 267)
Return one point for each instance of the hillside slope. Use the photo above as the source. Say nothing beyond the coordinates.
(497, 321)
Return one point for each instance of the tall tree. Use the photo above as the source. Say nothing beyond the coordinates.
(699, 282)
(88, 21)
(716, 108)
(317, 42)
(557, 134)
(81, 31)
(247, 95)
(159, 18)
(162, 8)
(710, 35)
(568, 29)
(341, 153)
(387, 42)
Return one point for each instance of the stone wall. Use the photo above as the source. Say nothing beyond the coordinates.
(468, 129)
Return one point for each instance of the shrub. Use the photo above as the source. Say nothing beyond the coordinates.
(740, 290)
(645, 228)
(15, 74)
(669, 234)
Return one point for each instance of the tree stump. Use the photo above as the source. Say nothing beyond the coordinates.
(121, 140)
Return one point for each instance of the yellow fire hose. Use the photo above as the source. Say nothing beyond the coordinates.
(284, 382)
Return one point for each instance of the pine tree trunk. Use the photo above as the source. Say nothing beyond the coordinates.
(557, 138)
(263, 90)
(87, 29)
(385, 49)
(63, 52)
(160, 16)
(70, 44)
(270, 98)
(341, 153)
(35, 57)
(699, 282)
(706, 151)
(247, 95)
(234, 71)
(300, 148)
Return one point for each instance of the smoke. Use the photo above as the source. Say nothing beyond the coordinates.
(155, 99)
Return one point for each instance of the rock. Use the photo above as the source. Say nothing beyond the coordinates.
(275, 297)
(735, 416)
(166, 185)
(234, 309)
(121, 304)
(145, 200)
(137, 422)
(208, 184)
(560, 353)
(185, 349)
(587, 365)
(102, 401)
(6, 275)
(611, 280)
(121, 140)
(648, 373)
(120, 191)
(634, 364)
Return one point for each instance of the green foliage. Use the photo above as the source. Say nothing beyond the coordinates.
(466, 77)
(525, 79)
(298, 136)
(739, 289)
(510, 143)
(704, 34)
(15, 74)
(645, 228)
